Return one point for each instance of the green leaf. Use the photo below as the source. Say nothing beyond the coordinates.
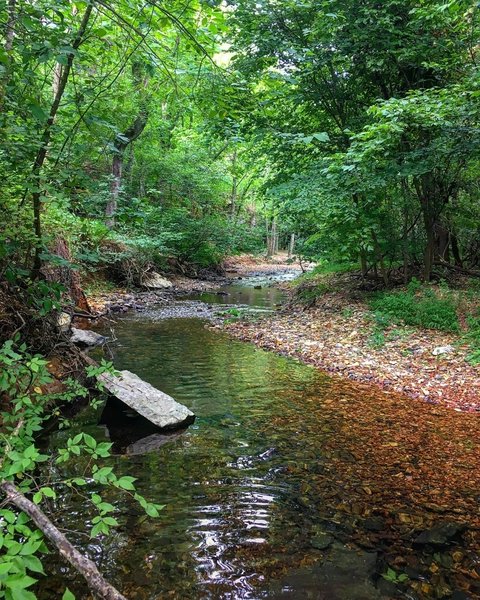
(39, 114)
(48, 492)
(22, 594)
(33, 563)
(67, 595)
(90, 441)
(151, 510)
(5, 567)
(30, 547)
(19, 581)
(126, 483)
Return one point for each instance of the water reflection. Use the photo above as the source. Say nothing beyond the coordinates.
(228, 508)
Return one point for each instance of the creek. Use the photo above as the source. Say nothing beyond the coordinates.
(239, 519)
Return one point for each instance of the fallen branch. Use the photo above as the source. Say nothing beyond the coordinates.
(83, 315)
(444, 263)
(95, 580)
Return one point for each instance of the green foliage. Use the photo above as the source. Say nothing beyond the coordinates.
(377, 339)
(23, 378)
(394, 577)
(421, 307)
(472, 336)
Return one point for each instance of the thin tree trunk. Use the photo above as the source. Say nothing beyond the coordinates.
(379, 254)
(291, 246)
(429, 254)
(9, 37)
(363, 263)
(234, 192)
(121, 143)
(95, 580)
(116, 185)
(456, 250)
(271, 238)
(45, 142)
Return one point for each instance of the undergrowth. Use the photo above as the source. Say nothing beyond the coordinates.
(418, 305)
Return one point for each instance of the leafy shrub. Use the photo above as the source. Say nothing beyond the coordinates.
(23, 381)
(418, 306)
(473, 337)
(203, 240)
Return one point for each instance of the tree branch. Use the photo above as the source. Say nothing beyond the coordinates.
(95, 580)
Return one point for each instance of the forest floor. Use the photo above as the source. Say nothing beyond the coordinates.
(338, 335)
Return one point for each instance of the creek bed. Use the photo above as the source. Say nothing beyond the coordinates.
(242, 516)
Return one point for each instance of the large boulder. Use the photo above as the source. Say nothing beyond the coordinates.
(156, 406)
(86, 338)
(154, 281)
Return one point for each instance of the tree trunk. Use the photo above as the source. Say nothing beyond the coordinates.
(271, 238)
(378, 252)
(121, 142)
(234, 192)
(429, 253)
(363, 263)
(291, 246)
(9, 37)
(112, 204)
(69, 277)
(45, 142)
(456, 250)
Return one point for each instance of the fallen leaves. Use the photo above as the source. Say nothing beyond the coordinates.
(391, 468)
(328, 339)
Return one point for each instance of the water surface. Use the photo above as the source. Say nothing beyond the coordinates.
(240, 518)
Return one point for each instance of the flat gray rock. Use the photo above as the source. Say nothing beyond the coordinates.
(154, 281)
(159, 408)
(86, 338)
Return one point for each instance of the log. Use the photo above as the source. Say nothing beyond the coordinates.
(95, 580)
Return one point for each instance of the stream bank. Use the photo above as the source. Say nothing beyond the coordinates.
(336, 335)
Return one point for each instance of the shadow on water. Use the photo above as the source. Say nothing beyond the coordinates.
(242, 518)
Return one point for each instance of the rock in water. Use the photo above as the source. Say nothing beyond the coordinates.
(86, 338)
(159, 408)
(440, 535)
(154, 281)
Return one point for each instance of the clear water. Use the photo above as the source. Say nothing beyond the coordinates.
(239, 519)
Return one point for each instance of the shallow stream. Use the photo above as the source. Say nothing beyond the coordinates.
(239, 519)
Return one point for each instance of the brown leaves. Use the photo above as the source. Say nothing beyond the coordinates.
(394, 467)
(336, 337)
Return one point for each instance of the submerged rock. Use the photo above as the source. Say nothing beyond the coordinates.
(155, 281)
(151, 443)
(321, 541)
(440, 535)
(86, 338)
(346, 574)
(156, 406)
